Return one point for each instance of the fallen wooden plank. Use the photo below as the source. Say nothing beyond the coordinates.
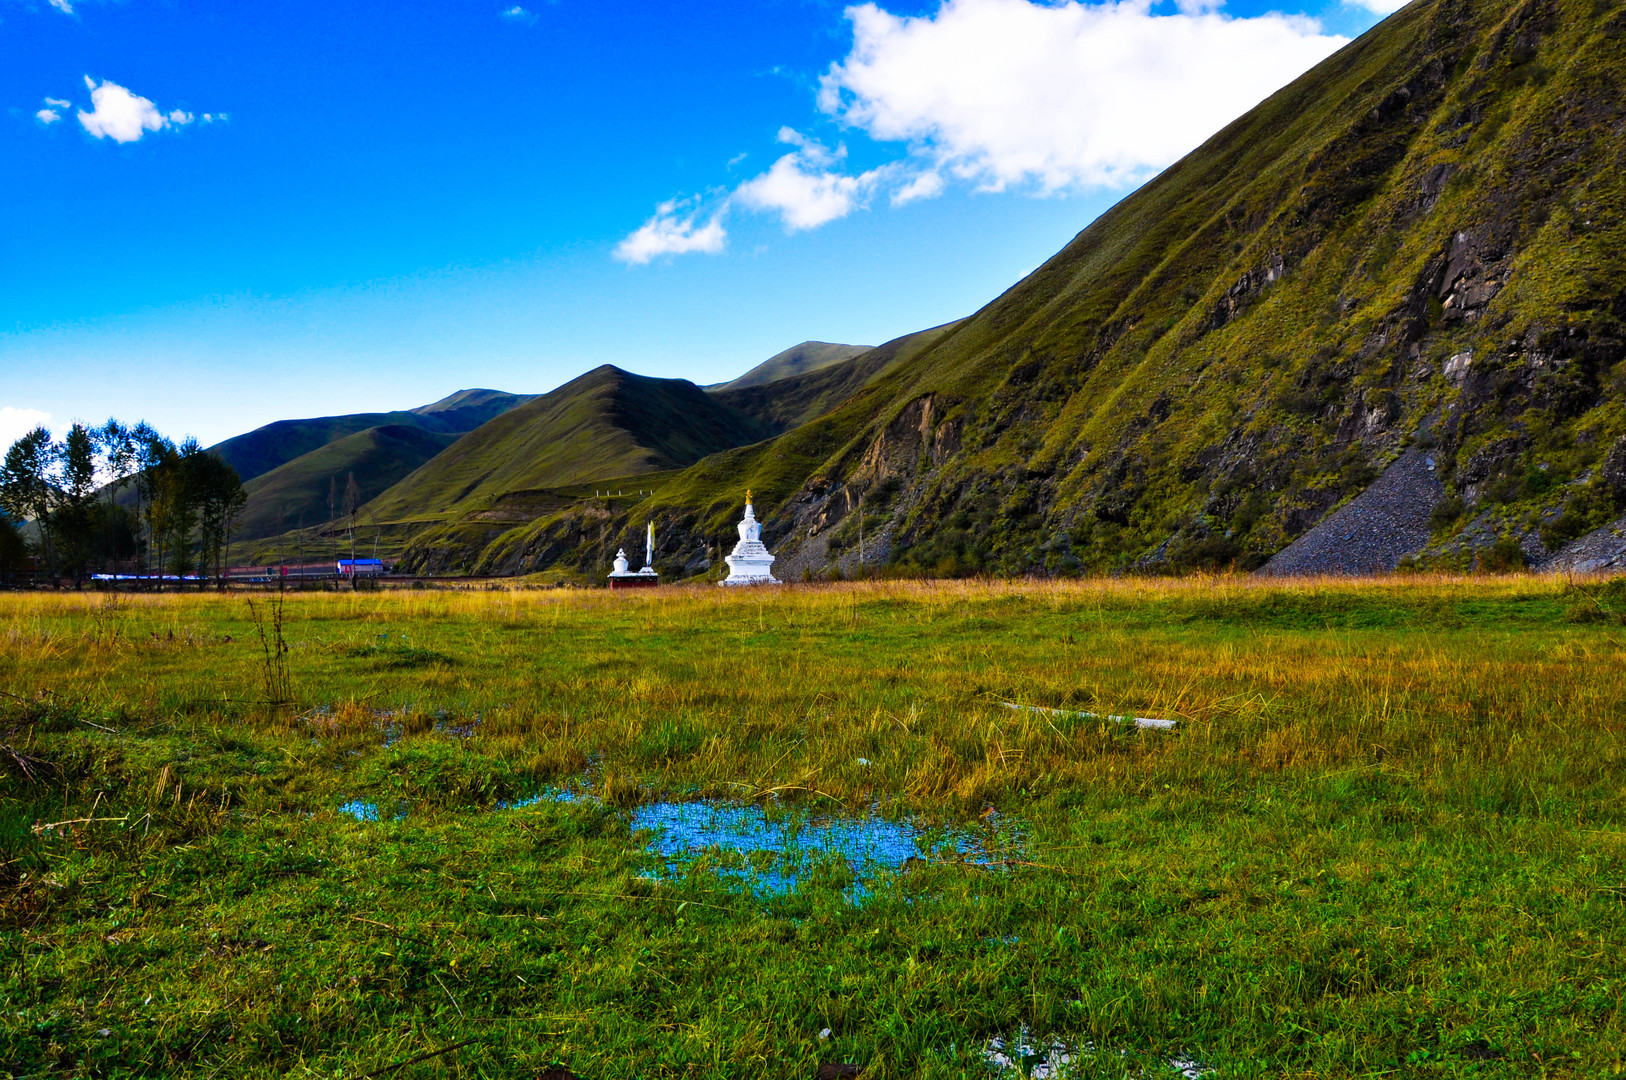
(1138, 721)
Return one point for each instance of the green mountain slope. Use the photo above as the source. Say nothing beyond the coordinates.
(1418, 241)
(793, 400)
(265, 448)
(606, 423)
(295, 494)
(1421, 243)
(803, 359)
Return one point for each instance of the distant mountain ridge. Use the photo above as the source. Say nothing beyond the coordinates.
(803, 359)
(265, 448)
(606, 423)
(296, 494)
(794, 399)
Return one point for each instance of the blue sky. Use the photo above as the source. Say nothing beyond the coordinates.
(215, 216)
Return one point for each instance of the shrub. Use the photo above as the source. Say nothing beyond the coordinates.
(1502, 557)
(1446, 513)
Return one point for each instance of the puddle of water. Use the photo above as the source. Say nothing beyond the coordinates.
(778, 855)
(1024, 1057)
(566, 797)
(369, 811)
(361, 811)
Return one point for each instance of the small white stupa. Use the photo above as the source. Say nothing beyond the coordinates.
(750, 563)
(622, 578)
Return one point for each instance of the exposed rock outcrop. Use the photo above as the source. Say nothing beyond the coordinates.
(1372, 532)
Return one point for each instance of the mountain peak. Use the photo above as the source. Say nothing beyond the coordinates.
(801, 359)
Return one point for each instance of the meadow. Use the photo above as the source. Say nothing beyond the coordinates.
(1385, 836)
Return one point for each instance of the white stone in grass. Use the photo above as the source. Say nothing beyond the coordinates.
(1138, 721)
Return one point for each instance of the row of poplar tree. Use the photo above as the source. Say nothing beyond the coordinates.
(116, 498)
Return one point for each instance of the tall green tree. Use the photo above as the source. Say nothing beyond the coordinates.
(177, 503)
(155, 458)
(13, 548)
(117, 444)
(219, 495)
(28, 488)
(73, 522)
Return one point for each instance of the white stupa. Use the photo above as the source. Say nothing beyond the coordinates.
(623, 578)
(750, 563)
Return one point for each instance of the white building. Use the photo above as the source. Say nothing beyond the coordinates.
(750, 563)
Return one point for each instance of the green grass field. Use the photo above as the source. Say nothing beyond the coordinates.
(1385, 838)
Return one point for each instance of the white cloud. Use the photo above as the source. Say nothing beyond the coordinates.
(58, 103)
(1014, 93)
(806, 187)
(674, 230)
(47, 116)
(518, 14)
(923, 185)
(62, 6)
(119, 115)
(1060, 95)
(15, 423)
(1379, 7)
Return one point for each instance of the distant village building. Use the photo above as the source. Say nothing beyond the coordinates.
(750, 563)
(622, 578)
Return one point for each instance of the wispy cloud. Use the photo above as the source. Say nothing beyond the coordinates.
(676, 229)
(1379, 7)
(517, 14)
(62, 6)
(807, 187)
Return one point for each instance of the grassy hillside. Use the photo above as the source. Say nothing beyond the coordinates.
(803, 359)
(464, 405)
(607, 423)
(295, 495)
(1421, 242)
(794, 399)
(265, 448)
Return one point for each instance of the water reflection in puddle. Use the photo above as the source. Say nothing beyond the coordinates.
(368, 811)
(769, 853)
(777, 854)
(1037, 1059)
(781, 853)
(361, 811)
